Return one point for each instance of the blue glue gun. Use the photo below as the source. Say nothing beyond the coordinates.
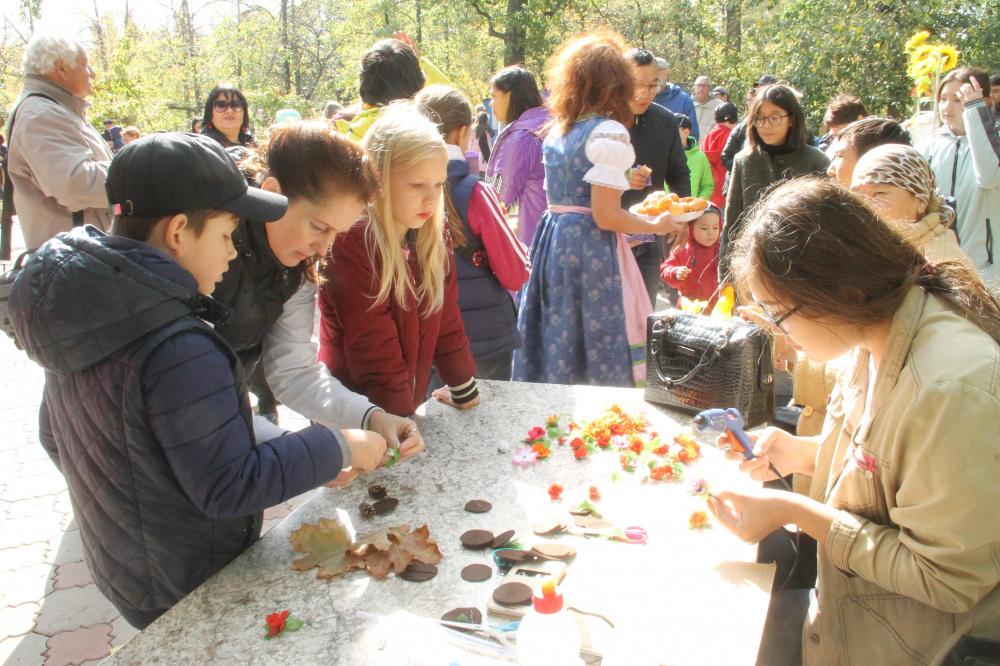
(730, 422)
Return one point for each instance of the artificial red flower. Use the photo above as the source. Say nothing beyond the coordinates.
(654, 435)
(552, 421)
(580, 453)
(685, 455)
(542, 450)
(594, 493)
(662, 472)
(276, 623)
(604, 441)
(573, 425)
(698, 519)
(663, 450)
(555, 490)
(685, 439)
(626, 463)
(535, 433)
(562, 439)
(576, 442)
(635, 446)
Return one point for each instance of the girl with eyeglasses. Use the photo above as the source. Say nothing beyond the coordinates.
(903, 495)
(777, 150)
(227, 117)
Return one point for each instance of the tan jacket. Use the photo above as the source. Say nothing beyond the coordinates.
(934, 240)
(57, 162)
(912, 561)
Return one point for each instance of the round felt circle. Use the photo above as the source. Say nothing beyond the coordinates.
(591, 523)
(419, 571)
(502, 538)
(478, 506)
(512, 594)
(579, 511)
(549, 526)
(554, 551)
(477, 572)
(384, 506)
(472, 616)
(477, 539)
(514, 555)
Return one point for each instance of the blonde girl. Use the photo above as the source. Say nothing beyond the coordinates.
(390, 301)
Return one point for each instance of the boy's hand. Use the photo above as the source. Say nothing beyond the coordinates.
(406, 39)
(970, 91)
(638, 177)
(682, 273)
(367, 449)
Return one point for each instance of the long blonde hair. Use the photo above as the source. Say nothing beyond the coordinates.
(399, 139)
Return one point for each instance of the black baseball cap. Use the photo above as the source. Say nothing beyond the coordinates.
(682, 121)
(168, 173)
(765, 80)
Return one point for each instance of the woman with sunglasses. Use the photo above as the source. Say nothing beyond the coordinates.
(777, 150)
(227, 117)
(903, 495)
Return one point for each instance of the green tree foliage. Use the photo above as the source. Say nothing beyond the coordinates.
(300, 53)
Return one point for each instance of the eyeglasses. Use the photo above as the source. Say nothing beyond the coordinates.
(222, 105)
(653, 89)
(777, 322)
(773, 120)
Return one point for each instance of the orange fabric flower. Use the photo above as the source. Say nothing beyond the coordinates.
(698, 519)
(542, 450)
(555, 491)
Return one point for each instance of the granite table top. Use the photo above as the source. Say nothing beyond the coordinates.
(672, 600)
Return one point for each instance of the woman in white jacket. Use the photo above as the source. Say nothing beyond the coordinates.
(965, 156)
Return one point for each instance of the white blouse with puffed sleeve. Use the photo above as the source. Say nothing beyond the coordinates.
(610, 149)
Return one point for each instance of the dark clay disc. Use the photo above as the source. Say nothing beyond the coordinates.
(477, 539)
(512, 594)
(554, 551)
(384, 506)
(477, 572)
(502, 538)
(514, 555)
(591, 523)
(419, 571)
(472, 616)
(549, 526)
(478, 506)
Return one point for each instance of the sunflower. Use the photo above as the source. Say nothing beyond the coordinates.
(948, 55)
(921, 68)
(922, 52)
(917, 40)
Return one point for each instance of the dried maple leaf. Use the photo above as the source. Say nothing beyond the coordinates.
(404, 547)
(328, 547)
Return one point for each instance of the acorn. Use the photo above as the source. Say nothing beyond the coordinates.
(377, 492)
(367, 510)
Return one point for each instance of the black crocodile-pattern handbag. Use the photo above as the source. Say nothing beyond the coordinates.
(694, 362)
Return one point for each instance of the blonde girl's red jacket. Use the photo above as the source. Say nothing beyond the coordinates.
(385, 351)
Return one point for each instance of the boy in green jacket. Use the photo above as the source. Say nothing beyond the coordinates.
(702, 183)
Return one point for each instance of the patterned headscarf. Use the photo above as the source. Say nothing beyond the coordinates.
(902, 166)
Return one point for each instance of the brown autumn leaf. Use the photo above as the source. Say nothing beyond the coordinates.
(390, 549)
(328, 547)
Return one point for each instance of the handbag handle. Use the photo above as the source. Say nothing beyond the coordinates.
(714, 347)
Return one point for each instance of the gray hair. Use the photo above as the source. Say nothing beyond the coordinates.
(44, 50)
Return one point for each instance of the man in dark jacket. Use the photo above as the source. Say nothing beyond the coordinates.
(658, 147)
(145, 409)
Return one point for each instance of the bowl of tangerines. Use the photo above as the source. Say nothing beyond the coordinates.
(680, 209)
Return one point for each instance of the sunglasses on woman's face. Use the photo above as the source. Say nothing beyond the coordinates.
(222, 105)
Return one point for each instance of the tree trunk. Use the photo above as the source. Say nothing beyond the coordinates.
(420, 34)
(284, 46)
(734, 29)
(514, 34)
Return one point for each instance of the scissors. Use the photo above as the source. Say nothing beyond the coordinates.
(495, 631)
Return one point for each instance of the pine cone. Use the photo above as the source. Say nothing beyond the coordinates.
(377, 492)
(367, 510)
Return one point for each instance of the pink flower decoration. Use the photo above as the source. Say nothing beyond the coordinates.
(525, 456)
(535, 433)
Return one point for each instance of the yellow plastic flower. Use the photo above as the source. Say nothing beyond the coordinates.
(917, 40)
(948, 55)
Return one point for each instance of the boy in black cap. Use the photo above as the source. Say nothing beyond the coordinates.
(145, 409)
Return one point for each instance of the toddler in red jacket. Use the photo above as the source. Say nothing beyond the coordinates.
(693, 268)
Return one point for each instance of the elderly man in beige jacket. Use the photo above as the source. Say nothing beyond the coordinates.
(57, 161)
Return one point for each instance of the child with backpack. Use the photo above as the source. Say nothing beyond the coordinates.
(489, 259)
(145, 408)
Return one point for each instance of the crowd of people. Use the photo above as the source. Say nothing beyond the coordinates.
(439, 252)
